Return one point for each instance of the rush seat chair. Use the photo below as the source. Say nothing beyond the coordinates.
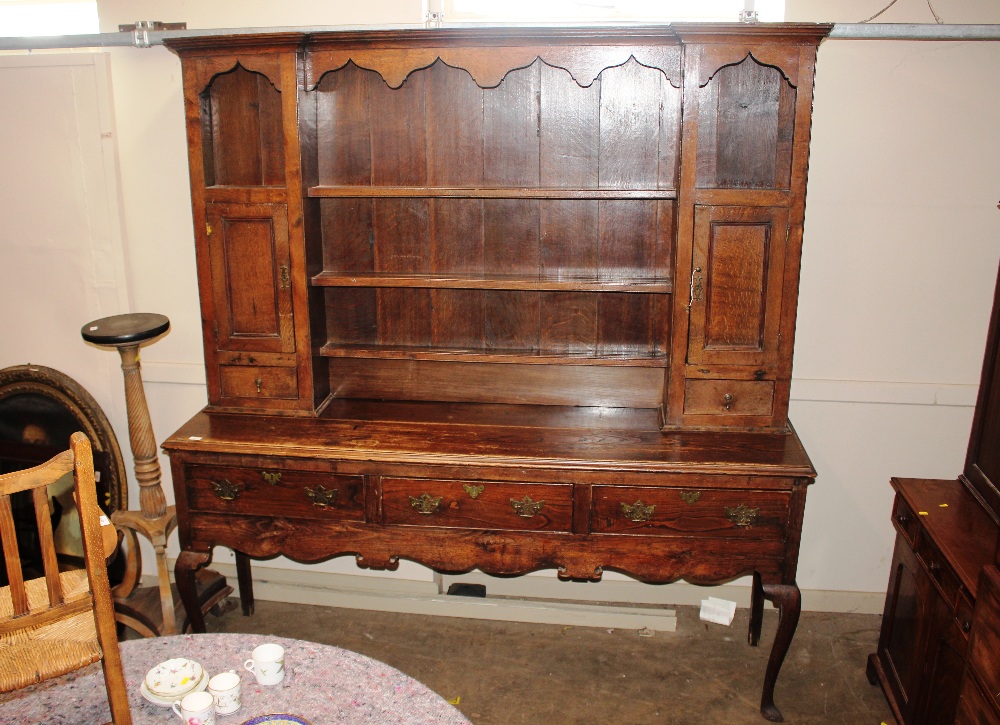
(64, 620)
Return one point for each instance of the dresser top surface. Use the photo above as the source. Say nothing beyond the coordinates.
(612, 439)
(956, 522)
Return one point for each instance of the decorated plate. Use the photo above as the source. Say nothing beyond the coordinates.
(169, 701)
(277, 719)
(174, 677)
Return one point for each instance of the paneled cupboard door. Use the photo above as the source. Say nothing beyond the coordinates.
(736, 282)
(251, 284)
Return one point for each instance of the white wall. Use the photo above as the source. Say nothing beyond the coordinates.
(901, 252)
(61, 257)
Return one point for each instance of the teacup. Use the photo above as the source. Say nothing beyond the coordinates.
(197, 708)
(225, 688)
(267, 664)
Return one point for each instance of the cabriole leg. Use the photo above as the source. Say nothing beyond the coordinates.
(788, 600)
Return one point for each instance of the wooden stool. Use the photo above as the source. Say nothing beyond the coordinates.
(135, 607)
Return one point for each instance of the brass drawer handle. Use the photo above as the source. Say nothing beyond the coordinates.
(226, 490)
(473, 491)
(638, 512)
(425, 504)
(526, 508)
(742, 515)
(727, 401)
(320, 496)
(271, 477)
(690, 497)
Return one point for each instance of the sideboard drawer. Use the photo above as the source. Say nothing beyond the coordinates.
(275, 492)
(939, 569)
(689, 511)
(905, 520)
(478, 504)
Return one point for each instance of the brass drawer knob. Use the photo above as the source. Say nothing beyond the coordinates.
(320, 496)
(727, 401)
(271, 477)
(638, 512)
(425, 504)
(472, 490)
(742, 515)
(226, 490)
(526, 508)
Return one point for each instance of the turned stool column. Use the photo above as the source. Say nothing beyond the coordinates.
(155, 520)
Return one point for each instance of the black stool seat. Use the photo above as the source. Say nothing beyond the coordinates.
(127, 329)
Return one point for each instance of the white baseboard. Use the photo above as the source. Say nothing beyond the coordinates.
(613, 604)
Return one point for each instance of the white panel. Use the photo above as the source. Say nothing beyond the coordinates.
(60, 240)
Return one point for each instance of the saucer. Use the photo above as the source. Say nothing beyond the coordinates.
(169, 701)
(277, 719)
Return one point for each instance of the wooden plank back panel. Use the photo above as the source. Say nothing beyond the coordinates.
(630, 127)
(569, 130)
(343, 115)
(746, 123)
(577, 385)
(609, 324)
(242, 127)
(352, 316)
(399, 147)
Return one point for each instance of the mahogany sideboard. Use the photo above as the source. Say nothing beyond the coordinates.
(506, 299)
(943, 585)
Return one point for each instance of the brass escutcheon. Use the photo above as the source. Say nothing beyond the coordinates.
(425, 504)
(320, 496)
(638, 511)
(226, 490)
(473, 491)
(742, 515)
(526, 508)
(690, 497)
(271, 477)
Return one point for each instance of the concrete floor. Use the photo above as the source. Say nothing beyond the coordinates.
(508, 673)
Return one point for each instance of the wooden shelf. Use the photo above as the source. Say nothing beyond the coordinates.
(493, 192)
(582, 283)
(522, 357)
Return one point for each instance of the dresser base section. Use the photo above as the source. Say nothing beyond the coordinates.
(575, 557)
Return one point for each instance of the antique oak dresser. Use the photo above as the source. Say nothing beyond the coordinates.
(506, 299)
(938, 656)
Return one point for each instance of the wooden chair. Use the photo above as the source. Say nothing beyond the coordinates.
(65, 620)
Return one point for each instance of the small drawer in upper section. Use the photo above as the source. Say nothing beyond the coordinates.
(728, 397)
(478, 504)
(275, 492)
(689, 511)
(256, 382)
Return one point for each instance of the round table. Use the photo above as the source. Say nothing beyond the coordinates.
(322, 684)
